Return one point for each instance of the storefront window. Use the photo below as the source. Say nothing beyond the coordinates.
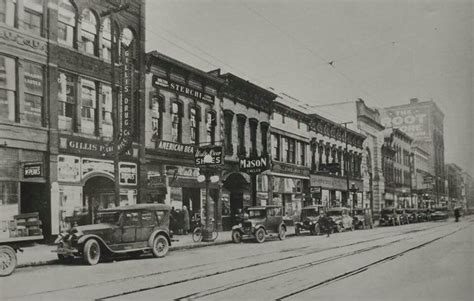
(107, 126)
(194, 125)
(211, 127)
(7, 88)
(89, 96)
(8, 12)
(66, 101)
(66, 23)
(8, 202)
(89, 32)
(33, 93)
(33, 16)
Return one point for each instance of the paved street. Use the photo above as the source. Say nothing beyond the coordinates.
(411, 262)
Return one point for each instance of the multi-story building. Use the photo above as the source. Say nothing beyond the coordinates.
(456, 186)
(56, 107)
(468, 191)
(423, 179)
(397, 164)
(182, 112)
(423, 121)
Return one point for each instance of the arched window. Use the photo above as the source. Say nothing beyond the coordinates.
(89, 32)
(66, 23)
(211, 127)
(109, 28)
(176, 121)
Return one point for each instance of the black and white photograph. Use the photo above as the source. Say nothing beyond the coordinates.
(237, 150)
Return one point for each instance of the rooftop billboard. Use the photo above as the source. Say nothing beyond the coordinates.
(414, 122)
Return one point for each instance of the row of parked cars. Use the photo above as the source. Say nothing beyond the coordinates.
(144, 228)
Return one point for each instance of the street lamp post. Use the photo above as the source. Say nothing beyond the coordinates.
(354, 189)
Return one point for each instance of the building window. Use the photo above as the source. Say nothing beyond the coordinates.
(264, 132)
(66, 101)
(176, 121)
(66, 23)
(89, 32)
(241, 119)
(33, 77)
(107, 123)
(157, 109)
(289, 146)
(275, 147)
(33, 16)
(7, 88)
(8, 12)
(211, 127)
(253, 123)
(302, 153)
(228, 118)
(89, 103)
(194, 119)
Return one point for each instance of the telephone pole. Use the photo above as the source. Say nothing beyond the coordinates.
(345, 158)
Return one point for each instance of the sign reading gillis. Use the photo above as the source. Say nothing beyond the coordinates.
(166, 83)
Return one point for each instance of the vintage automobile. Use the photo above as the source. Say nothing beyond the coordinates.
(412, 215)
(341, 218)
(440, 213)
(362, 218)
(259, 222)
(309, 220)
(423, 215)
(402, 216)
(132, 230)
(389, 217)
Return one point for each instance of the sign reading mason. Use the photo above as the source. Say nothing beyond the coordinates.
(253, 166)
(33, 170)
(209, 156)
(165, 83)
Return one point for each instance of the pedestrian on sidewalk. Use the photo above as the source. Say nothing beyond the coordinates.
(326, 224)
(186, 221)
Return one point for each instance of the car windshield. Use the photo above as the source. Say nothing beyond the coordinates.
(358, 212)
(334, 213)
(108, 217)
(256, 213)
(310, 212)
(387, 211)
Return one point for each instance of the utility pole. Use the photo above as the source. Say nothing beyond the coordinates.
(345, 158)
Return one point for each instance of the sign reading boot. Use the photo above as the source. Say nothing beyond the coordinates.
(253, 166)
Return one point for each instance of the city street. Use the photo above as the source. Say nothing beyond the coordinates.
(412, 262)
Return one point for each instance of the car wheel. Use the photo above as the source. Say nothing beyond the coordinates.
(352, 227)
(160, 246)
(339, 228)
(317, 229)
(282, 233)
(236, 236)
(7, 260)
(297, 230)
(91, 252)
(260, 235)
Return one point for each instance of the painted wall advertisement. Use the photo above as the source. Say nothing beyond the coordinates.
(414, 121)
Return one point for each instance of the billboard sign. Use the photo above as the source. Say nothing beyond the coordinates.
(253, 166)
(412, 121)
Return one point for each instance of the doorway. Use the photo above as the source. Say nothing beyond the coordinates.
(34, 198)
(98, 193)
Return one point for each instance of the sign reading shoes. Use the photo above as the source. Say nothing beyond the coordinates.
(209, 156)
(254, 166)
(165, 83)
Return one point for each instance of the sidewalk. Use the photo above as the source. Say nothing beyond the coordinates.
(41, 254)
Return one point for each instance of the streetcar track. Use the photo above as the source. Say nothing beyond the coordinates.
(311, 251)
(367, 266)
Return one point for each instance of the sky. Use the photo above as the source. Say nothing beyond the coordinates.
(329, 51)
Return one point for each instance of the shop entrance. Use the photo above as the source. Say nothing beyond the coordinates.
(237, 184)
(98, 193)
(192, 201)
(34, 198)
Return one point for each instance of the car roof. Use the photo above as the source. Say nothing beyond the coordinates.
(138, 207)
(312, 207)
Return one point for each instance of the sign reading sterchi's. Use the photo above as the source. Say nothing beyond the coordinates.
(165, 83)
(253, 166)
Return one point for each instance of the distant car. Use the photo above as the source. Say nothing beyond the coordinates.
(389, 217)
(259, 222)
(341, 218)
(133, 230)
(362, 218)
(440, 213)
(424, 215)
(412, 215)
(402, 216)
(309, 220)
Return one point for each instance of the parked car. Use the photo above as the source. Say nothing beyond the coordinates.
(309, 220)
(402, 216)
(362, 218)
(424, 215)
(440, 213)
(412, 215)
(259, 222)
(341, 218)
(389, 217)
(132, 230)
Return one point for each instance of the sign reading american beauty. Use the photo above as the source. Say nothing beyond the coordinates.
(412, 121)
(166, 83)
(254, 166)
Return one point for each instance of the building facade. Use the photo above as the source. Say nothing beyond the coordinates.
(423, 179)
(456, 186)
(57, 107)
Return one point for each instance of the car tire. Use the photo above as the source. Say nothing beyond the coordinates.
(297, 230)
(339, 228)
(260, 235)
(91, 252)
(282, 232)
(352, 227)
(236, 236)
(317, 229)
(8, 258)
(160, 246)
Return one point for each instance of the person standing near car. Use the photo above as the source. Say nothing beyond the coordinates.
(326, 224)
(186, 224)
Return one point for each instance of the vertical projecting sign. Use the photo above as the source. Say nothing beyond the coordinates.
(125, 139)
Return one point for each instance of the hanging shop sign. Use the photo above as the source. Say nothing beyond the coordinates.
(315, 189)
(253, 166)
(209, 156)
(161, 82)
(33, 170)
(175, 147)
(69, 168)
(290, 169)
(88, 147)
(128, 173)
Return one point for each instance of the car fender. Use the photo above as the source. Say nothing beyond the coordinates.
(155, 233)
(284, 226)
(82, 240)
(237, 228)
(260, 226)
